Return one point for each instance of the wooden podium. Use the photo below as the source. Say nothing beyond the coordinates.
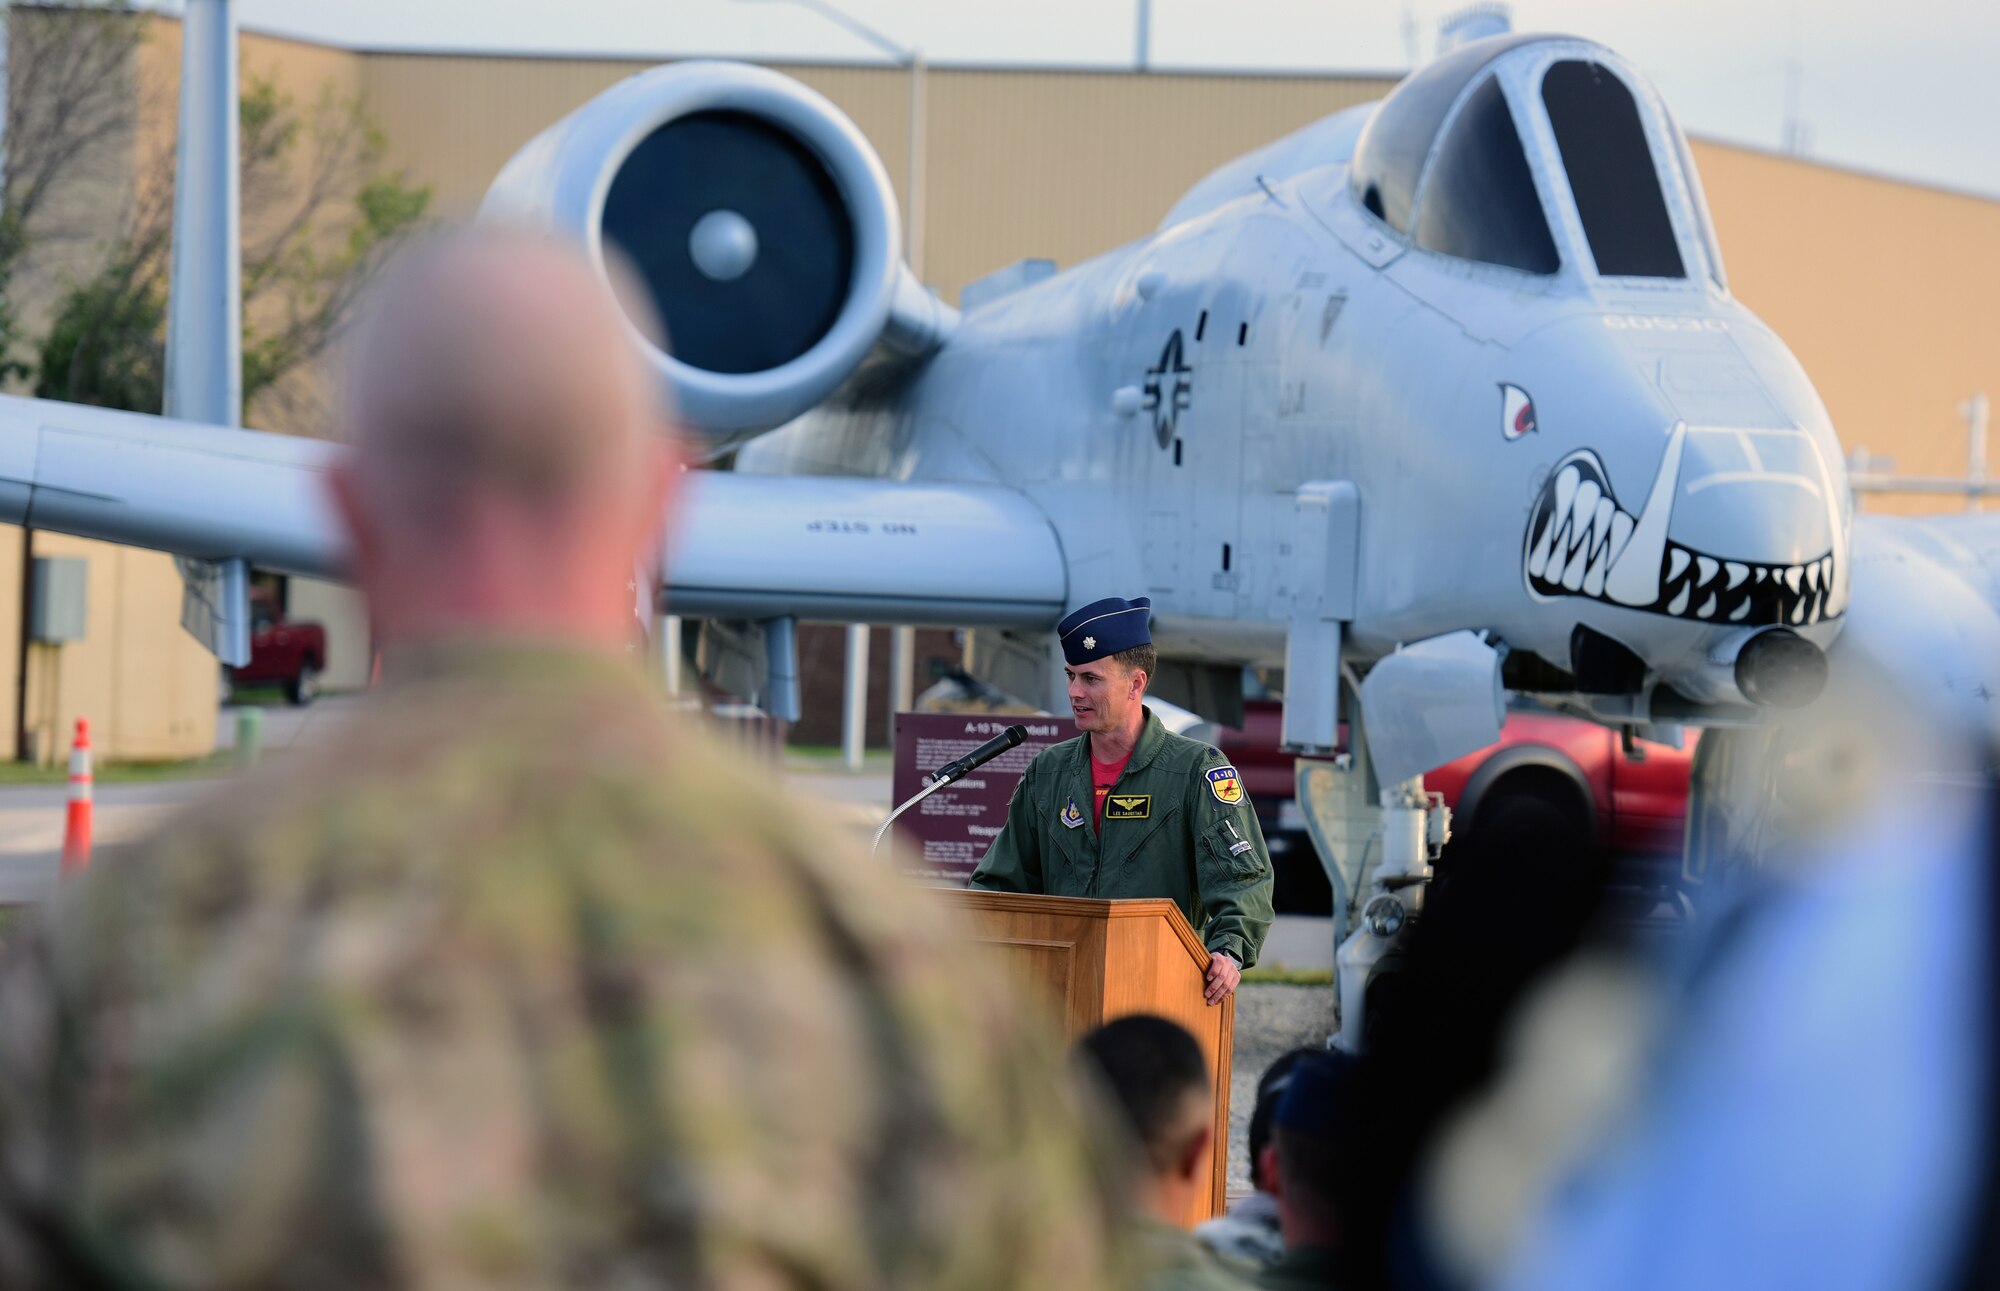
(1097, 960)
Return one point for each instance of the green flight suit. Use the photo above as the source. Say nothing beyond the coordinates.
(1177, 824)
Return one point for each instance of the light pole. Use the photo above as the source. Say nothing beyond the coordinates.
(902, 640)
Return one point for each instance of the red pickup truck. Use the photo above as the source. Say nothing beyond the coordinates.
(290, 654)
(1554, 783)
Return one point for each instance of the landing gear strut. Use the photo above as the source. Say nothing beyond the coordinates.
(1415, 826)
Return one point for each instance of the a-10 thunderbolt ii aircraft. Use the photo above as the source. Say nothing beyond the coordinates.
(1436, 394)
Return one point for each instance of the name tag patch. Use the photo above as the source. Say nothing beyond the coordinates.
(1224, 783)
(1071, 817)
(1128, 806)
(1241, 848)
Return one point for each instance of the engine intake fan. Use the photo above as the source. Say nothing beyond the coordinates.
(760, 223)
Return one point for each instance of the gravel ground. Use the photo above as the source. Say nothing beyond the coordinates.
(1270, 1019)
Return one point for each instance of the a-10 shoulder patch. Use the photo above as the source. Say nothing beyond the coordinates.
(1225, 784)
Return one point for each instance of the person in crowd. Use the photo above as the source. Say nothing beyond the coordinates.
(1152, 1071)
(1250, 1234)
(1320, 1166)
(516, 981)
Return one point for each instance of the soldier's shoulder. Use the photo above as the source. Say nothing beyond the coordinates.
(1194, 755)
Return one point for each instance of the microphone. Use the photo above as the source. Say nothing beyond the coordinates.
(980, 756)
(956, 770)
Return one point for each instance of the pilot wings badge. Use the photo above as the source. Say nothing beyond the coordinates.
(1071, 817)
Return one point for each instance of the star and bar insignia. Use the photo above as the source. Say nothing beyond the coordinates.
(1128, 806)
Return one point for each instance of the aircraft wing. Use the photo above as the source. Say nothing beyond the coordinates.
(745, 547)
(1925, 608)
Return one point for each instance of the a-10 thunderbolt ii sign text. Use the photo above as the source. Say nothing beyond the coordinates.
(942, 838)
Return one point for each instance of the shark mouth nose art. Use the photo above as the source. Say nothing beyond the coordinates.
(1581, 542)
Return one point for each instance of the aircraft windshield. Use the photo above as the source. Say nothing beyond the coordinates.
(1390, 154)
(1611, 171)
(1479, 201)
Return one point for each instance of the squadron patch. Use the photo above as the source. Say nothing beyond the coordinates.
(1071, 817)
(1225, 785)
(1128, 806)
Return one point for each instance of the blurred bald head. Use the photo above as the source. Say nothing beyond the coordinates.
(510, 462)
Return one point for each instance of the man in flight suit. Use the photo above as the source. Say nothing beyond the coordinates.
(1129, 809)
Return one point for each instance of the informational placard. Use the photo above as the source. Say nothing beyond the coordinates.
(941, 839)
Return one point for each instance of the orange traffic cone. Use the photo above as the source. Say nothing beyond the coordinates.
(76, 830)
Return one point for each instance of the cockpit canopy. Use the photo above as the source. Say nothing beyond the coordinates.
(1533, 160)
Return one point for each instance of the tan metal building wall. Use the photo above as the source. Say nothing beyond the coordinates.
(1888, 292)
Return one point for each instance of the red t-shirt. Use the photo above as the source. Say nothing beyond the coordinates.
(1102, 776)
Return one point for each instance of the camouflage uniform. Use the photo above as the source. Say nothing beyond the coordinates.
(1177, 824)
(513, 984)
(1249, 1234)
(1176, 1260)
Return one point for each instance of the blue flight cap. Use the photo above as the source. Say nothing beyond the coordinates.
(1105, 627)
(1319, 1098)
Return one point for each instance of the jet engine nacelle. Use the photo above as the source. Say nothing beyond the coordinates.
(759, 222)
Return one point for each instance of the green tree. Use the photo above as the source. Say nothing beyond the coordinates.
(67, 98)
(320, 212)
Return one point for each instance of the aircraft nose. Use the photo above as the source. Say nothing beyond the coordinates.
(1753, 531)
(1738, 527)
(1756, 496)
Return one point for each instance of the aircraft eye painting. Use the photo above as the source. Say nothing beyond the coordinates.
(1517, 412)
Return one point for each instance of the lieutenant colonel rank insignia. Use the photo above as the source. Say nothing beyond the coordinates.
(1071, 817)
(1128, 806)
(1224, 784)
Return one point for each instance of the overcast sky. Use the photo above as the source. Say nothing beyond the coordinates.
(1894, 88)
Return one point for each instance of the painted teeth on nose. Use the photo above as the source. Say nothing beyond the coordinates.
(1737, 573)
(1583, 512)
(1579, 561)
(1677, 560)
(1593, 581)
(1621, 531)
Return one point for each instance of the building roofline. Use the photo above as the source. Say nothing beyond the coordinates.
(1058, 69)
(1850, 170)
(863, 62)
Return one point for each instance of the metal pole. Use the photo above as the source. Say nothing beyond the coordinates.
(854, 699)
(205, 292)
(1975, 411)
(916, 167)
(670, 653)
(902, 659)
(1145, 41)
